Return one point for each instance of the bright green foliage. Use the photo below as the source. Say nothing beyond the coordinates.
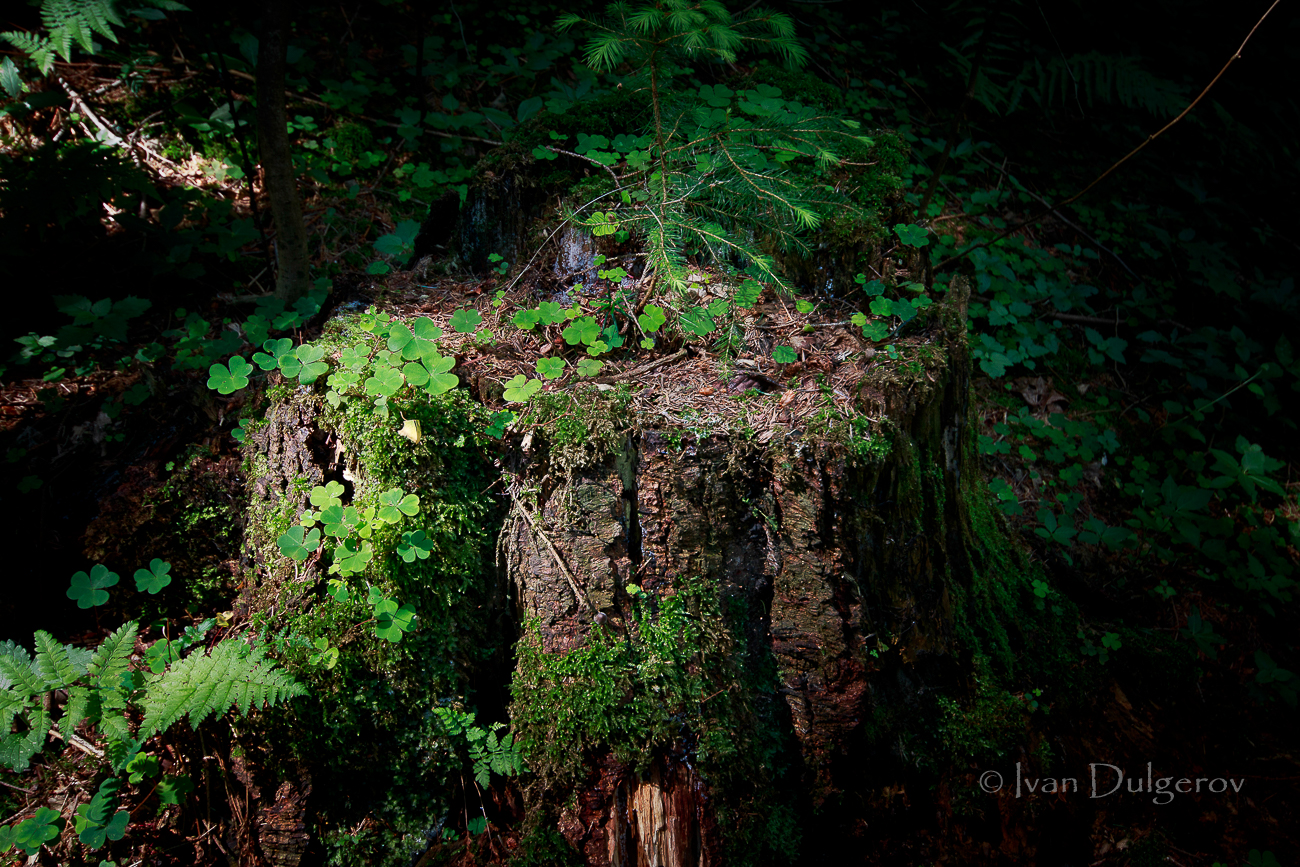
(486, 752)
(275, 350)
(747, 294)
(415, 544)
(310, 364)
(551, 368)
(527, 319)
(784, 355)
(652, 319)
(351, 556)
(440, 381)
(67, 21)
(96, 822)
(519, 389)
(465, 321)
(30, 834)
(325, 655)
(589, 367)
(550, 313)
(324, 496)
(299, 544)
(499, 421)
(697, 321)
(385, 382)
(229, 378)
(154, 578)
(394, 503)
(583, 330)
(142, 766)
(390, 620)
(232, 676)
(88, 590)
(418, 341)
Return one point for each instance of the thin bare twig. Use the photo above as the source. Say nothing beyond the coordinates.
(1236, 55)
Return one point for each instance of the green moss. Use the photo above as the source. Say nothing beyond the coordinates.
(368, 728)
(679, 682)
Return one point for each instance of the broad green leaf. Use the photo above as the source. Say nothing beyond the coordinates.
(298, 544)
(393, 504)
(550, 313)
(310, 364)
(391, 621)
(351, 557)
(154, 578)
(326, 495)
(229, 378)
(589, 366)
(551, 368)
(584, 330)
(527, 319)
(385, 383)
(88, 590)
(414, 544)
(652, 319)
(784, 355)
(520, 389)
(416, 373)
(911, 236)
(747, 294)
(466, 321)
(697, 321)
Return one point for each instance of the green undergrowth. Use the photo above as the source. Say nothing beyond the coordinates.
(675, 685)
(374, 727)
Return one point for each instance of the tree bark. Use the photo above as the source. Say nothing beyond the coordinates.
(293, 281)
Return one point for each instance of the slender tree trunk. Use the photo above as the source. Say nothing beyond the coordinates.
(277, 161)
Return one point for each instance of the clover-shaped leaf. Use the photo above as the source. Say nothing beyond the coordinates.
(589, 366)
(30, 834)
(229, 378)
(298, 544)
(88, 590)
(385, 382)
(584, 330)
(528, 319)
(414, 544)
(354, 357)
(325, 656)
(310, 364)
(416, 373)
(520, 389)
(911, 236)
(652, 319)
(340, 521)
(551, 368)
(351, 557)
(154, 578)
(391, 621)
(598, 348)
(329, 494)
(882, 306)
(550, 313)
(393, 504)
(876, 330)
(270, 359)
(465, 321)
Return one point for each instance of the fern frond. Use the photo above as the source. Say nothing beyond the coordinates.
(11, 704)
(39, 49)
(75, 710)
(110, 659)
(23, 679)
(233, 676)
(53, 661)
